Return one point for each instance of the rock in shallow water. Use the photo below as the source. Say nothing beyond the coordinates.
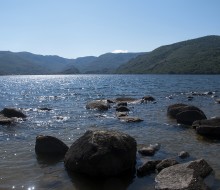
(102, 153)
(100, 105)
(185, 114)
(12, 112)
(50, 146)
(186, 176)
(5, 120)
(209, 127)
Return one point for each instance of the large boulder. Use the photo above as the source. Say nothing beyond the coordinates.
(188, 176)
(50, 146)
(12, 112)
(209, 127)
(102, 153)
(185, 114)
(100, 105)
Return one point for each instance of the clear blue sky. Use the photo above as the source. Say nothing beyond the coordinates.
(74, 28)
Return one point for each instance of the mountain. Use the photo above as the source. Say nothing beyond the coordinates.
(31, 64)
(197, 56)
(106, 63)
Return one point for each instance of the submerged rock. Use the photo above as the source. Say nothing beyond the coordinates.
(102, 153)
(100, 105)
(45, 109)
(50, 146)
(12, 112)
(209, 127)
(186, 176)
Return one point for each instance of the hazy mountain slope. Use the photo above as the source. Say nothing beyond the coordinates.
(106, 63)
(27, 63)
(197, 56)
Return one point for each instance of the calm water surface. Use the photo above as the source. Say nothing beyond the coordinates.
(68, 120)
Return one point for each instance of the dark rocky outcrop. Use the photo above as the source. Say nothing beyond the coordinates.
(186, 176)
(102, 153)
(147, 168)
(185, 114)
(209, 127)
(130, 119)
(50, 146)
(12, 112)
(165, 164)
(100, 105)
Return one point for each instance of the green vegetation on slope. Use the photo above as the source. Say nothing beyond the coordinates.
(197, 56)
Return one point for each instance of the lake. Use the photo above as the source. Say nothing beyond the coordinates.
(67, 96)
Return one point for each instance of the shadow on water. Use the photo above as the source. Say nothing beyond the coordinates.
(84, 182)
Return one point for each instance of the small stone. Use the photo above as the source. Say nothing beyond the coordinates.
(147, 151)
(122, 109)
(183, 154)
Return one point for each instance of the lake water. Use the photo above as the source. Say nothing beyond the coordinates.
(69, 119)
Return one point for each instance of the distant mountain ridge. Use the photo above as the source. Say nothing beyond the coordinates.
(197, 56)
(25, 63)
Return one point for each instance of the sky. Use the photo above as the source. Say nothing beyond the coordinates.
(77, 28)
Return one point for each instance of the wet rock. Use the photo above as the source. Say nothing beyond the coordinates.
(209, 127)
(122, 109)
(100, 105)
(188, 116)
(130, 119)
(12, 112)
(147, 168)
(148, 98)
(102, 153)
(165, 164)
(50, 146)
(186, 176)
(147, 151)
(183, 154)
(185, 114)
(110, 101)
(5, 120)
(174, 109)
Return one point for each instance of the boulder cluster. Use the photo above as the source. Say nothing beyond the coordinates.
(193, 116)
(105, 153)
(121, 106)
